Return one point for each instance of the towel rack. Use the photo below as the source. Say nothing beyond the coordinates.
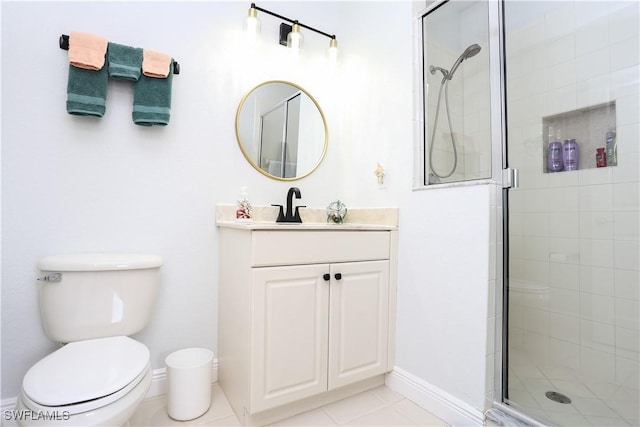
(64, 44)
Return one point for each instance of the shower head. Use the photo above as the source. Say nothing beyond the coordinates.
(472, 50)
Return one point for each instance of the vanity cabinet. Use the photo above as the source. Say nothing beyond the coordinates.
(302, 313)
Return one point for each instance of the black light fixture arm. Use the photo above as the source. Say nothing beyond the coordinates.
(293, 21)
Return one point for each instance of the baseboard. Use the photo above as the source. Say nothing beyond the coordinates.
(433, 399)
(158, 387)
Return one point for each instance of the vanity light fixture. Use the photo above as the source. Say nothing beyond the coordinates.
(290, 35)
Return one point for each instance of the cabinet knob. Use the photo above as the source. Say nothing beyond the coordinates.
(338, 276)
(326, 277)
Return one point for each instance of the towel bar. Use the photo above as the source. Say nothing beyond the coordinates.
(64, 44)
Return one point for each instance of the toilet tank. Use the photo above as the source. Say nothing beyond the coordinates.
(98, 295)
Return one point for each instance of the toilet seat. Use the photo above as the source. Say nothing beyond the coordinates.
(86, 375)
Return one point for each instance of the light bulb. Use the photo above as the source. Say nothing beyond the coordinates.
(252, 25)
(294, 38)
(332, 50)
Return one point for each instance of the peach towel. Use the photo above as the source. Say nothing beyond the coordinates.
(155, 64)
(87, 50)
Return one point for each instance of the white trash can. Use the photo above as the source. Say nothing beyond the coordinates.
(189, 375)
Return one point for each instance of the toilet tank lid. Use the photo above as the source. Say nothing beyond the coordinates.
(98, 262)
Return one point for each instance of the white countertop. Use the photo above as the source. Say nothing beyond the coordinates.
(347, 226)
(357, 219)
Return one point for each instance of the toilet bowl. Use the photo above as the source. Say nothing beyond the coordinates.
(94, 382)
(92, 302)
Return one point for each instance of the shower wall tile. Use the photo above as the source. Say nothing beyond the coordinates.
(561, 74)
(592, 64)
(598, 336)
(629, 108)
(535, 248)
(537, 224)
(626, 284)
(624, 54)
(627, 343)
(597, 280)
(564, 276)
(592, 36)
(561, 100)
(626, 226)
(626, 313)
(627, 373)
(628, 169)
(627, 254)
(562, 199)
(587, 12)
(595, 198)
(562, 179)
(596, 252)
(536, 200)
(623, 24)
(596, 225)
(593, 91)
(565, 328)
(597, 308)
(628, 148)
(560, 22)
(626, 197)
(536, 272)
(563, 249)
(561, 49)
(564, 353)
(624, 82)
(537, 346)
(564, 301)
(563, 224)
(595, 176)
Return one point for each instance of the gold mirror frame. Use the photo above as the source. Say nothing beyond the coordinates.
(248, 157)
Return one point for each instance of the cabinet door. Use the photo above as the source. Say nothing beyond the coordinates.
(290, 307)
(358, 321)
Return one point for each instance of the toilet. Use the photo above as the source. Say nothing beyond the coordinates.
(91, 303)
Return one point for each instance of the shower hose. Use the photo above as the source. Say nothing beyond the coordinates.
(445, 84)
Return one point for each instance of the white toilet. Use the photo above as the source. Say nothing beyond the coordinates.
(100, 376)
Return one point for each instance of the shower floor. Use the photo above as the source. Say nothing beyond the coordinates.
(593, 402)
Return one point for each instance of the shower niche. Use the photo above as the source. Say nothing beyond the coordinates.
(580, 139)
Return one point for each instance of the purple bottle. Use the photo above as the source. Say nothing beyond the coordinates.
(570, 154)
(554, 157)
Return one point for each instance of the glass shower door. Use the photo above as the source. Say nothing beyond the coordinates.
(572, 96)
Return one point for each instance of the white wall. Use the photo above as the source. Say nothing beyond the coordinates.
(73, 184)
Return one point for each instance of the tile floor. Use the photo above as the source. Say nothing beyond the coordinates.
(593, 402)
(377, 407)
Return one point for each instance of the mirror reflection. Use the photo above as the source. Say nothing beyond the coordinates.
(281, 130)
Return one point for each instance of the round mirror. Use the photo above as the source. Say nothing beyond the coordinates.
(281, 130)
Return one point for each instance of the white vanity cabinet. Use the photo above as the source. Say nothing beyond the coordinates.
(303, 313)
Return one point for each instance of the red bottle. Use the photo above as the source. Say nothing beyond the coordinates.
(601, 158)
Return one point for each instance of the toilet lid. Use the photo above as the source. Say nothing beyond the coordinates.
(85, 370)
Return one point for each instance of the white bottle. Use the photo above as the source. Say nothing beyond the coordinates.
(612, 149)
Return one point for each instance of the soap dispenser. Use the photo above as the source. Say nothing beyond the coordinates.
(243, 209)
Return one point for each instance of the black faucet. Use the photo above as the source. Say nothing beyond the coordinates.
(290, 215)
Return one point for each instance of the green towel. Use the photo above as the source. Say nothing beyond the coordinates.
(152, 100)
(87, 91)
(124, 62)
